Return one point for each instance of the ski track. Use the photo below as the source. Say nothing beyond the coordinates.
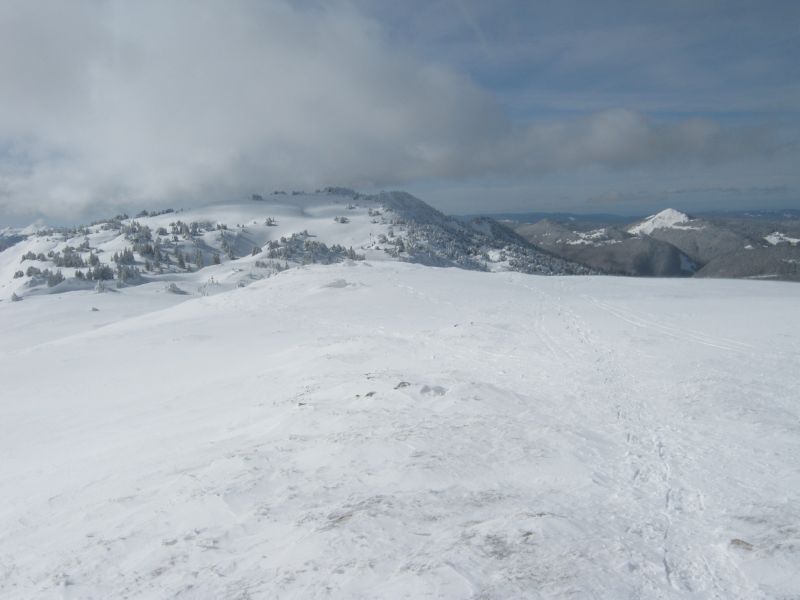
(644, 321)
(419, 433)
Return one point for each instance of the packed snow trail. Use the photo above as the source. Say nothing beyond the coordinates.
(396, 431)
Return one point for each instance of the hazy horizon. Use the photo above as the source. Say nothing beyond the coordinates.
(132, 211)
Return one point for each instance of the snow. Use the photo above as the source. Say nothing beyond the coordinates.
(254, 240)
(388, 430)
(777, 237)
(665, 219)
(246, 229)
(595, 237)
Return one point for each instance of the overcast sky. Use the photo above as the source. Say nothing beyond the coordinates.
(502, 106)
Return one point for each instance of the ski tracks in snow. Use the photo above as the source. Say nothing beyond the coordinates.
(650, 485)
(420, 433)
(688, 333)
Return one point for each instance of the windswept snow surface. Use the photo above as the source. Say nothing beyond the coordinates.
(666, 218)
(388, 430)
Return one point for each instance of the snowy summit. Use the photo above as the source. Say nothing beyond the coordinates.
(665, 219)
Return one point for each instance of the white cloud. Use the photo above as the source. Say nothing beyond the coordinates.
(148, 102)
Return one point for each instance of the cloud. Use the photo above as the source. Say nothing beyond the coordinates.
(705, 197)
(112, 102)
(737, 191)
(152, 100)
(623, 139)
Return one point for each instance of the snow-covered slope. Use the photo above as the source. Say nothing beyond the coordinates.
(249, 241)
(667, 218)
(376, 429)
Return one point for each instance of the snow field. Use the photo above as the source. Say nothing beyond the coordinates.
(386, 430)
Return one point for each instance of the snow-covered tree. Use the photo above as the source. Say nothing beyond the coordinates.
(54, 278)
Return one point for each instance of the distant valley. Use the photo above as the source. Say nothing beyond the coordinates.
(674, 244)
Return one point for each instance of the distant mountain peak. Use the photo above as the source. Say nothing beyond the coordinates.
(667, 218)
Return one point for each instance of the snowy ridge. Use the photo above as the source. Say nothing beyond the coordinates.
(483, 244)
(230, 244)
(665, 219)
(238, 243)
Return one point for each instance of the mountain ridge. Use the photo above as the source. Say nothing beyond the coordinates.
(672, 243)
(237, 243)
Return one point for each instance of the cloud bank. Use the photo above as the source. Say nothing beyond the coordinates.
(109, 103)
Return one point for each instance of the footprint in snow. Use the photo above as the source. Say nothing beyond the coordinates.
(435, 390)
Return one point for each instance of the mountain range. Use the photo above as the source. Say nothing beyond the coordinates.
(237, 243)
(234, 244)
(673, 244)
